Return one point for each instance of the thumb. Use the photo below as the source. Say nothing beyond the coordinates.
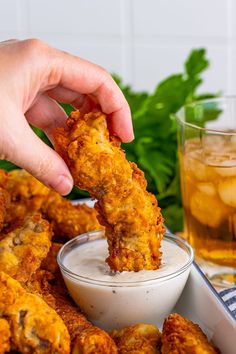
(25, 149)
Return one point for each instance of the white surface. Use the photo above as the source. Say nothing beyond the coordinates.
(142, 40)
(200, 303)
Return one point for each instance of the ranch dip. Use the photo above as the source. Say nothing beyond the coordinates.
(88, 260)
(116, 300)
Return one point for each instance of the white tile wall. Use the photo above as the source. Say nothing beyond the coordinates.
(83, 18)
(8, 17)
(176, 18)
(161, 60)
(142, 40)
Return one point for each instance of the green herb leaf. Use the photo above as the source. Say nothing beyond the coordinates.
(196, 62)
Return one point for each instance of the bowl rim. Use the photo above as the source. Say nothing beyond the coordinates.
(99, 234)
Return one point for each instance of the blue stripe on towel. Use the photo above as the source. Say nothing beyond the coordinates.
(229, 298)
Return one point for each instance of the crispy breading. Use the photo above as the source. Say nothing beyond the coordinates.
(21, 185)
(93, 340)
(35, 327)
(181, 336)
(138, 339)
(85, 338)
(29, 195)
(3, 178)
(69, 220)
(23, 249)
(4, 198)
(4, 336)
(50, 262)
(133, 221)
(16, 213)
(4, 203)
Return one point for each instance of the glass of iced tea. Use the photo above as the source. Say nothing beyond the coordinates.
(207, 155)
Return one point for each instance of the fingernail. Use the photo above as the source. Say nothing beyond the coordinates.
(63, 185)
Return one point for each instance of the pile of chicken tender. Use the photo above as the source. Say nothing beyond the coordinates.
(37, 315)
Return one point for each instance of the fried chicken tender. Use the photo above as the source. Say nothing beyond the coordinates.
(4, 336)
(93, 340)
(132, 219)
(85, 337)
(138, 339)
(50, 262)
(29, 195)
(35, 327)
(23, 249)
(4, 198)
(181, 336)
(69, 220)
(21, 185)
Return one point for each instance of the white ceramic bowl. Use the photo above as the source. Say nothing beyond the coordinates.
(110, 304)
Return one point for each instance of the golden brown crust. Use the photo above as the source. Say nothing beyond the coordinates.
(28, 195)
(35, 327)
(49, 263)
(5, 335)
(21, 185)
(4, 198)
(93, 340)
(181, 336)
(69, 220)
(85, 338)
(134, 225)
(24, 248)
(138, 339)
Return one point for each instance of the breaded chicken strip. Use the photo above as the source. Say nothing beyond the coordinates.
(138, 339)
(85, 338)
(133, 222)
(50, 262)
(3, 178)
(35, 327)
(93, 340)
(69, 220)
(4, 198)
(181, 336)
(29, 195)
(5, 335)
(22, 185)
(23, 249)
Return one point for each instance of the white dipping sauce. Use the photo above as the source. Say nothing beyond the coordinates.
(117, 300)
(88, 260)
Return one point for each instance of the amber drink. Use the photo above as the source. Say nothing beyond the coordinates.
(208, 182)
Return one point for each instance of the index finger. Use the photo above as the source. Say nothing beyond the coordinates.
(87, 78)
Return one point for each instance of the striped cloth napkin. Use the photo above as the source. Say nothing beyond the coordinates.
(229, 298)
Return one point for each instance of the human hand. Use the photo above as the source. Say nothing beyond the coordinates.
(33, 76)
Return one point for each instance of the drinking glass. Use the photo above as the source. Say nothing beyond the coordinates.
(207, 155)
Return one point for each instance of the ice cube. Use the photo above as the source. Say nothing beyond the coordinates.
(227, 191)
(207, 189)
(208, 210)
(195, 167)
(227, 168)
